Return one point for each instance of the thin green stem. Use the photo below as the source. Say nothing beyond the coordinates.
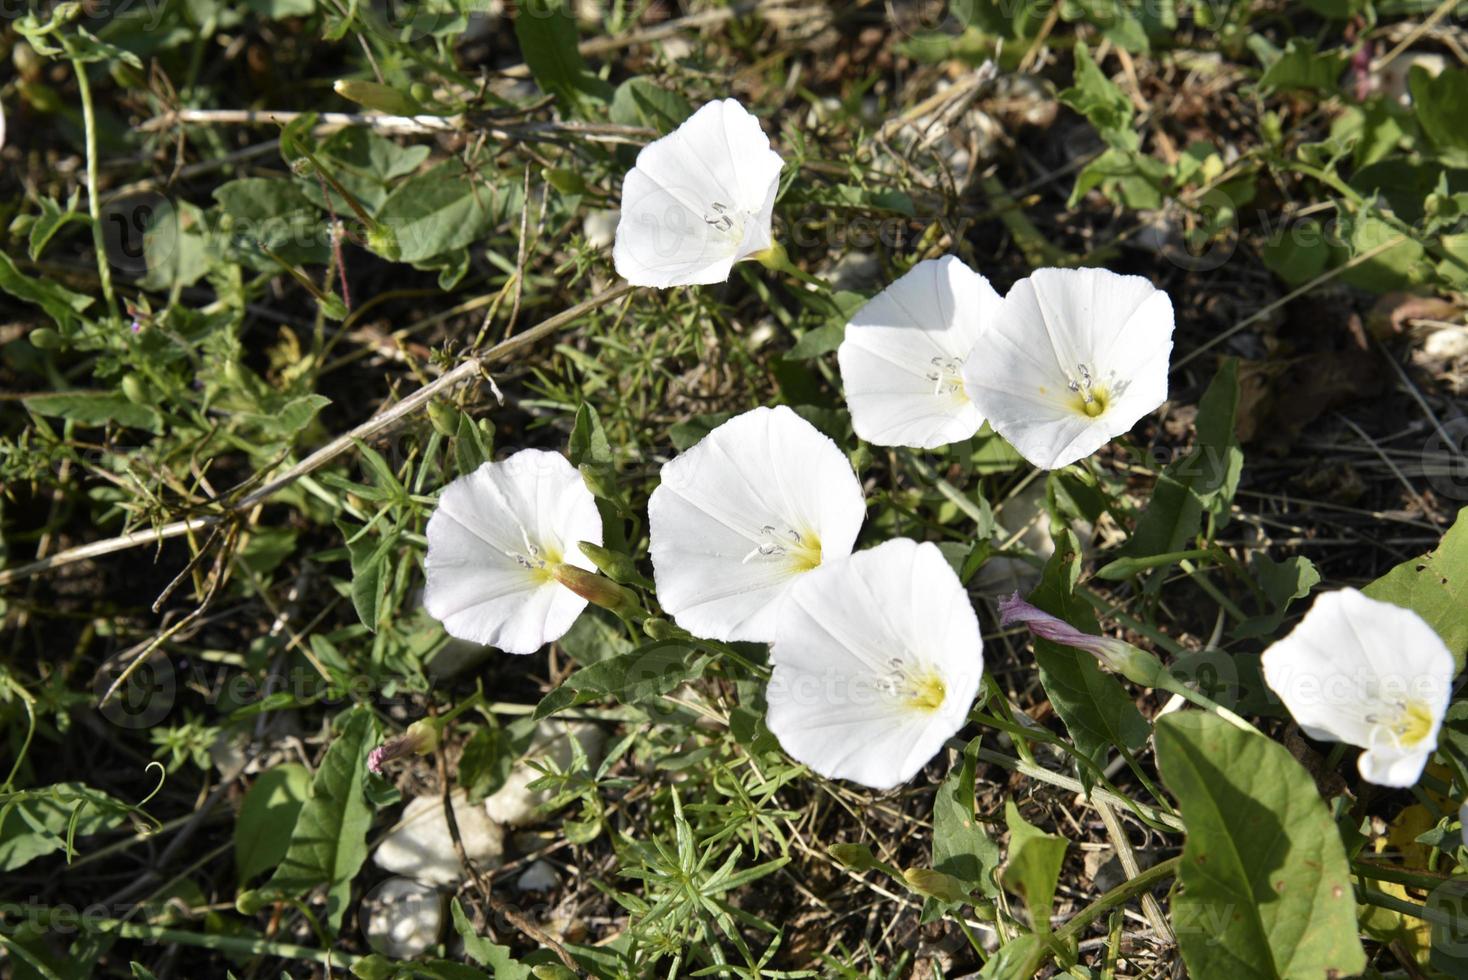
(94, 197)
(1118, 896)
(1203, 701)
(235, 945)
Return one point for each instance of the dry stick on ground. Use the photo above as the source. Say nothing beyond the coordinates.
(1128, 859)
(406, 125)
(511, 914)
(465, 370)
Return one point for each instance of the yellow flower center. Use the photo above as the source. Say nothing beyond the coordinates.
(800, 550)
(926, 692)
(947, 378)
(1414, 724)
(1090, 399)
(539, 562)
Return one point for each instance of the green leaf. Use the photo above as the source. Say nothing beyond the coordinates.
(366, 164)
(439, 212)
(329, 841)
(1282, 582)
(500, 959)
(60, 303)
(1202, 481)
(596, 635)
(273, 213)
(1117, 21)
(472, 448)
(961, 848)
(647, 672)
(297, 413)
(1266, 889)
(39, 822)
(1015, 959)
(1094, 706)
(640, 101)
(281, 9)
(548, 40)
(94, 409)
(488, 757)
(1299, 252)
(86, 47)
(1301, 66)
(370, 573)
(51, 220)
(588, 439)
(1127, 177)
(1399, 263)
(1438, 104)
(684, 434)
(1435, 586)
(272, 803)
(1033, 866)
(821, 340)
(1101, 101)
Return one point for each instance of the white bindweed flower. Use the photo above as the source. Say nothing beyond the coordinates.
(876, 661)
(742, 514)
(698, 200)
(1075, 358)
(1367, 673)
(903, 354)
(495, 544)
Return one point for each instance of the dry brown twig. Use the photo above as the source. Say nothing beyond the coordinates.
(469, 367)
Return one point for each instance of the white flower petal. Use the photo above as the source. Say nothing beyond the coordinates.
(698, 200)
(876, 662)
(1064, 337)
(742, 514)
(1368, 673)
(490, 542)
(1392, 769)
(903, 351)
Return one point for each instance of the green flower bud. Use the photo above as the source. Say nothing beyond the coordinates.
(375, 95)
(853, 857)
(600, 591)
(935, 884)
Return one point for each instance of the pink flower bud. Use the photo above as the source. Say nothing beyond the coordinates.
(1132, 663)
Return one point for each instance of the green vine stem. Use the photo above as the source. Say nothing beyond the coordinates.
(94, 198)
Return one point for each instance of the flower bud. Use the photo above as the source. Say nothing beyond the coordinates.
(613, 564)
(377, 96)
(250, 901)
(600, 591)
(384, 241)
(1136, 665)
(421, 738)
(935, 884)
(853, 857)
(662, 629)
